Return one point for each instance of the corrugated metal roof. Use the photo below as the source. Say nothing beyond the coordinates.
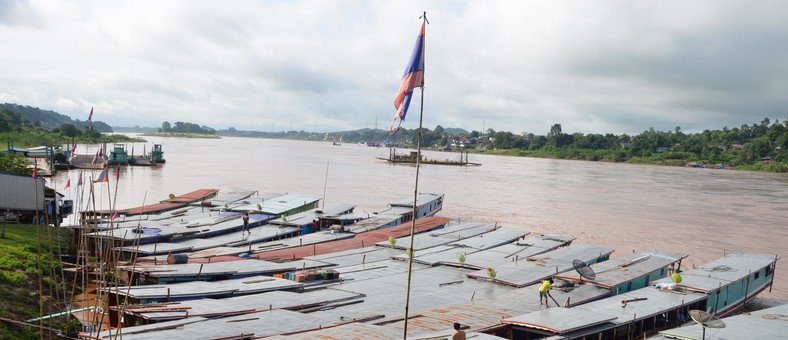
(131, 331)
(201, 289)
(628, 267)
(450, 233)
(258, 324)
(278, 205)
(731, 267)
(559, 320)
(421, 199)
(249, 303)
(353, 330)
(355, 257)
(233, 268)
(440, 320)
(471, 244)
(431, 287)
(611, 312)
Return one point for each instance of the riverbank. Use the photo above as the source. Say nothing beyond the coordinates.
(19, 284)
(621, 156)
(180, 135)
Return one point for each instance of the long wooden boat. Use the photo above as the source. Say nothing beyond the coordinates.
(719, 288)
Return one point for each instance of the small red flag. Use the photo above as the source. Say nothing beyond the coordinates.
(68, 184)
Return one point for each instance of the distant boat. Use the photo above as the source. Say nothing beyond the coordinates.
(118, 155)
(412, 157)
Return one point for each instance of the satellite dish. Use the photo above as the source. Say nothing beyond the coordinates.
(706, 320)
(584, 270)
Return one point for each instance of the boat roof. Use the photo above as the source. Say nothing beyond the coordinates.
(242, 304)
(723, 271)
(384, 283)
(352, 330)
(606, 313)
(358, 256)
(437, 322)
(258, 324)
(447, 234)
(627, 267)
(202, 289)
(479, 259)
(421, 199)
(492, 248)
(247, 267)
(525, 272)
(769, 323)
(306, 217)
(278, 205)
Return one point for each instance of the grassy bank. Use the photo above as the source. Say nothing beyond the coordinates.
(623, 156)
(19, 283)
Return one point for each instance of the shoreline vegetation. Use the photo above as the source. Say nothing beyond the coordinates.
(180, 135)
(757, 147)
(611, 156)
(19, 280)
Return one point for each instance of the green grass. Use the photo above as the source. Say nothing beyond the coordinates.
(19, 289)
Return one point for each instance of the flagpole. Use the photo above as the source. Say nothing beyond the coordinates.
(416, 186)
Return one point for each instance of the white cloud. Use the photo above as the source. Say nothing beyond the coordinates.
(603, 66)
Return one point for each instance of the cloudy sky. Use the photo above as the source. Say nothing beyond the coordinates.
(520, 66)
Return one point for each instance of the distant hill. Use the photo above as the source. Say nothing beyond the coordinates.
(51, 119)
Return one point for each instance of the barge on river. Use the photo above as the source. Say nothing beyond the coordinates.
(413, 157)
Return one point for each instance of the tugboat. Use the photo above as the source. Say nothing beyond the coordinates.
(155, 157)
(118, 155)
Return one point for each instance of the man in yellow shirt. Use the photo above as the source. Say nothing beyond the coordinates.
(544, 289)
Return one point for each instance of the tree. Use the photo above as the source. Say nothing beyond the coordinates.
(69, 130)
(14, 164)
(556, 138)
(166, 127)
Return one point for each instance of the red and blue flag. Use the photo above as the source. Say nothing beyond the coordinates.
(103, 176)
(412, 78)
(79, 181)
(115, 215)
(90, 116)
(35, 169)
(68, 184)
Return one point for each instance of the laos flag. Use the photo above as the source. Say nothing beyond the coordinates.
(412, 78)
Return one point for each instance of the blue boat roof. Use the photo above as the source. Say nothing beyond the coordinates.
(767, 323)
(723, 271)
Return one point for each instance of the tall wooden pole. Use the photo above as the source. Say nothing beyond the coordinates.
(411, 253)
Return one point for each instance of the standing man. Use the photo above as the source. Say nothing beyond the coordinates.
(544, 289)
(246, 223)
(458, 334)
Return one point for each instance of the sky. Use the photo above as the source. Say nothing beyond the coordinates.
(321, 66)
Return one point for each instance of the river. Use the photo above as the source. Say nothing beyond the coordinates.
(701, 212)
